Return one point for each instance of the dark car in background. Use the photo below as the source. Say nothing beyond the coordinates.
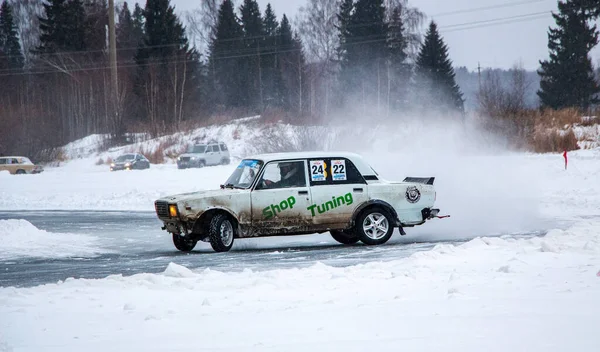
(131, 161)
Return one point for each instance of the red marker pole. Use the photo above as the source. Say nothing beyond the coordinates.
(566, 160)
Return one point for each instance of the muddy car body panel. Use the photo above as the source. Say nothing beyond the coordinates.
(300, 193)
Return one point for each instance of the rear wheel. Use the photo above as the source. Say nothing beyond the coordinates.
(221, 232)
(374, 226)
(21, 172)
(344, 237)
(183, 244)
(225, 161)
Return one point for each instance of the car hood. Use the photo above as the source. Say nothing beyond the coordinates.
(204, 195)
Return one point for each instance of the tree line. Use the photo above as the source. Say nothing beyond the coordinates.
(363, 56)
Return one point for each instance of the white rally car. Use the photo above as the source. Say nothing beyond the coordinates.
(298, 193)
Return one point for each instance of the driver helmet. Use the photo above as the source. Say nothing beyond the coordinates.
(287, 169)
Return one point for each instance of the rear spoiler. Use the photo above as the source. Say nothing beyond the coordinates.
(425, 180)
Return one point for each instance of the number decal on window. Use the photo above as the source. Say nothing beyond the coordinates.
(318, 170)
(338, 170)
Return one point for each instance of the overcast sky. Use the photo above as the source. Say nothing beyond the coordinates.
(522, 37)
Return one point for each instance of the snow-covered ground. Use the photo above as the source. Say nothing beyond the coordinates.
(490, 293)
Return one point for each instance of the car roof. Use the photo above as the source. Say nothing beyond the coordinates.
(363, 167)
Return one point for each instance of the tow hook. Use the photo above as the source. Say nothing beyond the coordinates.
(432, 214)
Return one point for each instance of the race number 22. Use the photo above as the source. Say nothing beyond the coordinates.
(338, 170)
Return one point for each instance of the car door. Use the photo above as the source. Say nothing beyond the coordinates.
(279, 206)
(337, 188)
(211, 154)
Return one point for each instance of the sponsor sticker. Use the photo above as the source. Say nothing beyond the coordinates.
(412, 194)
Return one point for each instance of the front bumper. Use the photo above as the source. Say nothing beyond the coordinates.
(187, 164)
(120, 167)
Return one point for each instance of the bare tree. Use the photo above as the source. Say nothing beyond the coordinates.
(317, 24)
(201, 22)
(412, 19)
(26, 14)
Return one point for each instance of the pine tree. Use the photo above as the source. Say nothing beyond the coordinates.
(130, 31)
(96, 23)
(169, 79)
(271, 80)
(9, 39)
(252, 26)
(344, 17)
(138, 22)
(224, 65)
(435, 74)
(399, 69)
(291, 63)
(62, 29)
(567, 78)
(365, 53)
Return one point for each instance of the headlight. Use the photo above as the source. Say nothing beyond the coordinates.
(178, 158)
(128, 165)
(173, 210)
(112, 165)
(193, 158)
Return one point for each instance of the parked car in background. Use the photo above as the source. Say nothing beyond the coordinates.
(133, 161)
(204, 154)
(19, 165)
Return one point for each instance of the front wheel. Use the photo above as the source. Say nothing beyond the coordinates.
(344, 237)
(183, 244)
(221, 232)
(21, 172)
(374, 226)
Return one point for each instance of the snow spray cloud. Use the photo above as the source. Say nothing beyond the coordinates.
(486, 189)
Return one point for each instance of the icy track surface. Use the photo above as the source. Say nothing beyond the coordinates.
(489, 294)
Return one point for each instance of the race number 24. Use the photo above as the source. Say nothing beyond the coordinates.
(318, 170)
(338, 170)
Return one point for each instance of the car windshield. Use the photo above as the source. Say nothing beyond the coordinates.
(197, 149)
(244, 174)
(125, 157)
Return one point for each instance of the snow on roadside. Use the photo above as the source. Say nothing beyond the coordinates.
(493, 294)
(19, 238)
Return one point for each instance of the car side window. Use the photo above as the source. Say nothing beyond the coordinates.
(333, 171)
(215, 148)
(283, 174)
(223, 147)
(2, 161)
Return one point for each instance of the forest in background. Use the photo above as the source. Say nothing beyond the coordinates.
(366, 58)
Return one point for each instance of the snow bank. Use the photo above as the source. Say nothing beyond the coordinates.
(19, 238)
(493, 294)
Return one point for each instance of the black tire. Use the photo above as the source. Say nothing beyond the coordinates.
(221, 232)
(344, 237)
(201, 163)
(21, 172)
(183, 244)
(225, 161)
(377, 236)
